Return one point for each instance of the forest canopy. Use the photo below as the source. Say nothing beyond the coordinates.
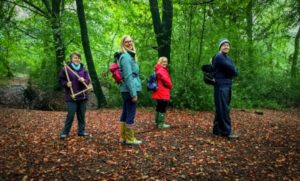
(37, 36)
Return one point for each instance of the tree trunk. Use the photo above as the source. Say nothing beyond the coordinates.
(88, 55)
(167, 18)
(191, 16)
(295, 55)
(162, 28)
(249, 30)
(9, 73)
(57, 34)
(5, 17)
(157, 25)
(202, 35)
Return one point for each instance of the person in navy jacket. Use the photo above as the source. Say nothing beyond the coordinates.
(224, 73)
(163, 93)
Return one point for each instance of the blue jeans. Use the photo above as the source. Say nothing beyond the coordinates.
(129, 109)
(222, 122)
(78, 107)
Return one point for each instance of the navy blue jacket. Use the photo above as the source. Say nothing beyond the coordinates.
(224, 69)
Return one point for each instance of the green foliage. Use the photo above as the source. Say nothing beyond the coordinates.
(190, 92)
(265, 92)
(26, 45)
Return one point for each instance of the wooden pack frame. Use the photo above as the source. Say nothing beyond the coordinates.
(73, 95)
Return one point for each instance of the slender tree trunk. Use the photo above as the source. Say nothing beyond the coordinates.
(202, 34)
(57, 32)
(9, 73)
(167, 20)
(249, 31)
(157, 25)
(55, 20)
(58, 42)
(162, 28)
(295, 55)
(88, 54)
(5, 17)
(191, 15)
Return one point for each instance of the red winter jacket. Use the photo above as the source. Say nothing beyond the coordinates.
(164, 83)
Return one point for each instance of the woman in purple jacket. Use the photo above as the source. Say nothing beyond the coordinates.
(70, 82)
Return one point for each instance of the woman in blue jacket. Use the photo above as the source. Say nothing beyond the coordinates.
(129, 88)
(224, 73)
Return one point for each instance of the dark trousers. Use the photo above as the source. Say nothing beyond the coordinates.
(161, 106)
(222, 122)
(78, 107)
(129, 109)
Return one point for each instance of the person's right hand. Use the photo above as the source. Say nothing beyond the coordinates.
(69, 84)
(134, 98)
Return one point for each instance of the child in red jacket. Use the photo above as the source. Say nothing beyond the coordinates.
(163, 93)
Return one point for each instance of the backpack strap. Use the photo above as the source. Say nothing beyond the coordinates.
(213, 65)
(212, 60)
(118, 60)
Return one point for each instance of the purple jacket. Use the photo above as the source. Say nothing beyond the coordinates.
(76, 84)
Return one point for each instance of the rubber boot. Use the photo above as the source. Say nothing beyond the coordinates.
(122, 133)
(130, 137)
(161, 121)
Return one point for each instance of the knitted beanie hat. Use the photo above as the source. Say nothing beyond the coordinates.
(225, 40)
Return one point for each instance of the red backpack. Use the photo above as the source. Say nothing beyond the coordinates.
(115, 69)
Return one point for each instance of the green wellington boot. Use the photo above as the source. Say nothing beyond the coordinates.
(161, 121)
(130, 137)
(122, 133)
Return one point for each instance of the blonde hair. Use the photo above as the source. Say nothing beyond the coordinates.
(123, 48)
(161, 59)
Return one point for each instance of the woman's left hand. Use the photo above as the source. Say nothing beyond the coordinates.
(81, 79)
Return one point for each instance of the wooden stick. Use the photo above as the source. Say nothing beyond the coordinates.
(78, 77)
(80, 92)
(72, 92)
(68, 78)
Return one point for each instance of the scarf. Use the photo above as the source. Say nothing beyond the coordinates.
(76, 67)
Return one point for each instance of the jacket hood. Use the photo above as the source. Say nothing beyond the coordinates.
(159, 66)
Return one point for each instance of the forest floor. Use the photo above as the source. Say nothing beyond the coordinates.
(268, 147)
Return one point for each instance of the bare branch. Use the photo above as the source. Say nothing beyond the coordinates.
(25, 32)
(47, 4)
(31, 7)
(183, 2)
(36, 8)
